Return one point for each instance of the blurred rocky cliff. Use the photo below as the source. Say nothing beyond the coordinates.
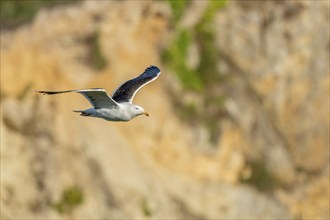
(239, 124)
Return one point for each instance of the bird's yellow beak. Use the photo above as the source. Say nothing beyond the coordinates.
(146, 113)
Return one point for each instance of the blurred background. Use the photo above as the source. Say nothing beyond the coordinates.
(239, 125)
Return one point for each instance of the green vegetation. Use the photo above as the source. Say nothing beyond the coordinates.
(175, 57)
(95, 58)
(145, 208)
(70, 199)
(260, 177)
(212, 8)
(205, 38)
(178, 7)
(15, 12)
(205, 76)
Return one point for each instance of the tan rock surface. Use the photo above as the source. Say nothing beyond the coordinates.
(153, 167)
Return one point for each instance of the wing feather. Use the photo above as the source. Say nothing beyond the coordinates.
(97, 97)
(127, 91)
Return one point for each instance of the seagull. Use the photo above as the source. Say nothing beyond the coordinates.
(119, 106)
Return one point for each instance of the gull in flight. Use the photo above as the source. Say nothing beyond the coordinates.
(119, 106)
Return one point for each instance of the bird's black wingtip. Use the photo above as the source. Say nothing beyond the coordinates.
(42, 92)
(47, 92)
(152, 69)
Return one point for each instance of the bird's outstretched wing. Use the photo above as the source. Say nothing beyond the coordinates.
(97, 97)
(126, 92)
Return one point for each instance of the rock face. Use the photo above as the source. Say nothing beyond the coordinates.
(271, 159)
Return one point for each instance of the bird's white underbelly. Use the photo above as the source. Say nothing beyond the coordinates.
(112, 114)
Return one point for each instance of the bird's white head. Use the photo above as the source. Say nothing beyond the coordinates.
(138, 110)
